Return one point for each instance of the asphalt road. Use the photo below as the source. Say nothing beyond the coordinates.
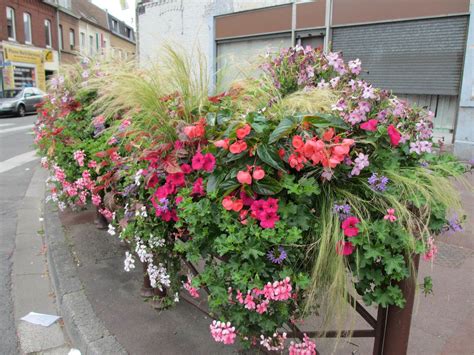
(17, 166)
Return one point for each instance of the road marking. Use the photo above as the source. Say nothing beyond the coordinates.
(13, 129)
(6, 124)
(17, 161)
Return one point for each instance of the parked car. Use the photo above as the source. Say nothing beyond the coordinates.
(20, 101)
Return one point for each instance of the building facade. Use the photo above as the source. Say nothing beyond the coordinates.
(421, 49)
(29, 43)
(122, 43)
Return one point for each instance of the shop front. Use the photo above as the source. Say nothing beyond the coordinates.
(26, 67)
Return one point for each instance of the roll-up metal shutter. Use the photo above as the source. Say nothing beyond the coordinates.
(409, 57)
(238, 58)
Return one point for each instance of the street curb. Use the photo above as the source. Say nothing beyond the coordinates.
(83, 327)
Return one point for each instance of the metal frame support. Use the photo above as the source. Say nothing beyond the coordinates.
(328, 23)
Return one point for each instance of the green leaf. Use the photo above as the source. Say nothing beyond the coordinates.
(269, 156)
(267, 186)
(285, 126)
(212, 183)
(394, 264)
(324, 120)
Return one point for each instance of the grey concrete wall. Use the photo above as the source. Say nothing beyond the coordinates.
(464, 138)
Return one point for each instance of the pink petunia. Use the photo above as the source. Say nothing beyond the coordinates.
(198, 161)
(209, 162)
(370, 125)
(394, 135)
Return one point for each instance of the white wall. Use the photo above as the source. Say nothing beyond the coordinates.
(90, 30)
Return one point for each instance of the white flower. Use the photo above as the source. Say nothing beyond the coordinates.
(138, 176)
(111, 230)
(176, 297)
(129, 262)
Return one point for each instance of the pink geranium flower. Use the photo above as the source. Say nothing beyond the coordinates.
(350, 226)
(390, 216)
(344, 248)
(268, 219)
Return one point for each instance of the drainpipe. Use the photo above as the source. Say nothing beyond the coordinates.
(57, 29)
(328, 22)
(293, 23)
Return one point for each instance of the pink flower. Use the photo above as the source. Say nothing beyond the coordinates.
(192, 290)
(431, 251)
(344, 248)
(268, 219)
(247, 200)
(237, 205)
(79, 156)
(271, 204)
(176, 179)
(262, 307)
(92, 164)
(244, 177)
(209, 162)
(198, 161)
(223, 332)
(350, 226)
(244, 131)
(307, 347)
(96, 200)
(106, 213)
(391, 215)
(249, 302)
(198, 188)
(258, 173)
(394, 135)
(238, 147)
(223, 143)
(227, 203)
(186, 169)
(179, 199)
(370, 125)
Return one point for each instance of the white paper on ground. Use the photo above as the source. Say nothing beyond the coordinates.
(41, 319)
(74, 352)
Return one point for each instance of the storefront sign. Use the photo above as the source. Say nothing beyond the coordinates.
(24, 55)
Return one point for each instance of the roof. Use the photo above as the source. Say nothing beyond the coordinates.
(90, 12)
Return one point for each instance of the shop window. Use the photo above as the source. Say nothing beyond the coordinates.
(72, 39)
(61, 40)
(11, 24)
(24, 77)
(47, 33)
(27, 27)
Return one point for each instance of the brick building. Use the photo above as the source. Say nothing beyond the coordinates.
(422, 50)
(29, 43)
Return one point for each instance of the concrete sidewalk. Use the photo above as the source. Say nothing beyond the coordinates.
(31, 286)
(442, 323)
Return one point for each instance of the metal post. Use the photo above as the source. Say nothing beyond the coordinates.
(397, 330)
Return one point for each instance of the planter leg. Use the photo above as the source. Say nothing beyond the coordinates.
(146, 290)
(397, 330)
(100, 220)
(158, 299)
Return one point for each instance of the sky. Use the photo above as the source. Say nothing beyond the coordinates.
(114, 7)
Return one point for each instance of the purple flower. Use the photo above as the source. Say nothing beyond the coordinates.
(361, 162)
(378, 183)
(277, 256)
(343, 211)
(454, 224)
(163, 207)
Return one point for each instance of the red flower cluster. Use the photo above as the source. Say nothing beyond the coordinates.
(329, 151)
(244, 177)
